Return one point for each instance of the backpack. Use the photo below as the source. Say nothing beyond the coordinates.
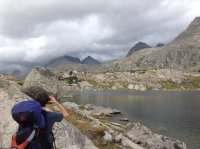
(32, 132)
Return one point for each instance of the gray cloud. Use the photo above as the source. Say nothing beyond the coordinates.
(34, 32)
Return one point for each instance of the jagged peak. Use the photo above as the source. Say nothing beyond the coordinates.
(138, 46)
(90, 60)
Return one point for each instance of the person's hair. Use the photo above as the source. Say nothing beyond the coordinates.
(42, 98)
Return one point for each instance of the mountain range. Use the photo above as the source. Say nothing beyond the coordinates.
(69, 62)
(182, 53)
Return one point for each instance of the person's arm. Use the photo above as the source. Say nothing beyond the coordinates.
(61, 108)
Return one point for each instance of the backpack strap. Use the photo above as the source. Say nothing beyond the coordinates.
(24, 144)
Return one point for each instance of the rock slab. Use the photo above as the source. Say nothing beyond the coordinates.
(144, 137)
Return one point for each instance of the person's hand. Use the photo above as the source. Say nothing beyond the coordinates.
(61, 108)
(52, 100)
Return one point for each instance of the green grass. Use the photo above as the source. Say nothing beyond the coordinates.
(20, 82)
(170, 85)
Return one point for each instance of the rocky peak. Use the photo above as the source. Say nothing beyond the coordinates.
(16, 72)
(90, 61)
(182, 53)
(137, 47)
(160, 45)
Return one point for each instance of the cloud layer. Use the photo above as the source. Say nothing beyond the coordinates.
(33, 32)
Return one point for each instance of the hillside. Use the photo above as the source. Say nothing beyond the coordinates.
(183, 53)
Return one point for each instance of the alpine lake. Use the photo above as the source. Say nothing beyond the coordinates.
(172, 113)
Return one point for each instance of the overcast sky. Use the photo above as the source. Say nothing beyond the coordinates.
(32, 32)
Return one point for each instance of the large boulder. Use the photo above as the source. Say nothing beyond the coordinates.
(67, 136)
(144, 137)
(40, 80)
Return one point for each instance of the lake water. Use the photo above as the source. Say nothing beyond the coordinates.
(175, 114)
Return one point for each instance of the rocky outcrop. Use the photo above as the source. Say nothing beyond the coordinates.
(145, 138)
(137, 47)
(67, 136)
(40, 80)
(90, 61)
(126, 143)
(132, 136)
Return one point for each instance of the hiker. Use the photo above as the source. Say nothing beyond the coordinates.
(50, 118)
(36, 123)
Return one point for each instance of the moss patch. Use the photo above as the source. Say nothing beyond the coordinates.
(191, 83)
(20, 82)
(170, 85)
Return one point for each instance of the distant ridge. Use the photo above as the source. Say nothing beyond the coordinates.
(16, 72)
(63, 61)
(72, 63)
